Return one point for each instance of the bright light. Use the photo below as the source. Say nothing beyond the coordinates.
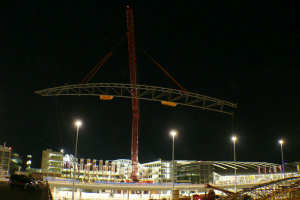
(281, 141)
(78, 123)
(62, 151)
(233, 138)
(173, 133)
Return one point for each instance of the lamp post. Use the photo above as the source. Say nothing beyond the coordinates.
(78, 123)
(281, 142)
(234, 139)
(173, 134)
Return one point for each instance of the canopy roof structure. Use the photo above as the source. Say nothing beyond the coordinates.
(228, 167)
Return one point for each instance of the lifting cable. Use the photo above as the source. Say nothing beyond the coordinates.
(165, 71)
(95, 69)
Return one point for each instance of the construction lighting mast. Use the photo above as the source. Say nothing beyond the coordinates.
(134, 101)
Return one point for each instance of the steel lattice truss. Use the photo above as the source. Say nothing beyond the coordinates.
(279, 189)
(144, 92)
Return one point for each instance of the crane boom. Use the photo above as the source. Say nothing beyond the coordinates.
(134, 101)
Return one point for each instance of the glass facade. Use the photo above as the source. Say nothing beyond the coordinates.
(195, 172)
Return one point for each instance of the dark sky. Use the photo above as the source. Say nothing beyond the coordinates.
(247, 53)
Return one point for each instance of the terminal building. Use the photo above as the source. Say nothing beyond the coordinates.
(106, 179)
(63, 165)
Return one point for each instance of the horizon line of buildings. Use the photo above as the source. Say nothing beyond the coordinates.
(59, 164)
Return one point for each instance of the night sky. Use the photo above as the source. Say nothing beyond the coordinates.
(247, 53)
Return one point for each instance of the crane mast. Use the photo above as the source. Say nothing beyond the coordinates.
(134, 101)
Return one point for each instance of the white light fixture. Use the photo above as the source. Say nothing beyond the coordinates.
(281, 141)
(233, 138)
(173, 133)
(78, 123)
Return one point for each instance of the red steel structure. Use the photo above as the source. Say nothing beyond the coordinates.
(134, 101)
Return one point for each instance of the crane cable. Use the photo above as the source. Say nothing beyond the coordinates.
(165, 71)
(95, 69)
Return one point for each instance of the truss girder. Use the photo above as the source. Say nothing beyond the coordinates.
(144, 92)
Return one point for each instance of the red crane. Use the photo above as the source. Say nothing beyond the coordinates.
(133, 80)
(134, 101)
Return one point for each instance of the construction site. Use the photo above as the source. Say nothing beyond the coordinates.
(70, 176)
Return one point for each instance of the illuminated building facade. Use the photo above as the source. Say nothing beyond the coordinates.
(160, 171)
(92, 170)
(94, 176)
(5, 158)
(52, 162)
(223, 172)
(156, 171)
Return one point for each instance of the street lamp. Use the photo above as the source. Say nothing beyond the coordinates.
(234, 139)
(173, 133)
(77, 123)
(281, 142)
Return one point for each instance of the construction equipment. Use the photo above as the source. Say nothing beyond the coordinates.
(133, 81)
(134, 101)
